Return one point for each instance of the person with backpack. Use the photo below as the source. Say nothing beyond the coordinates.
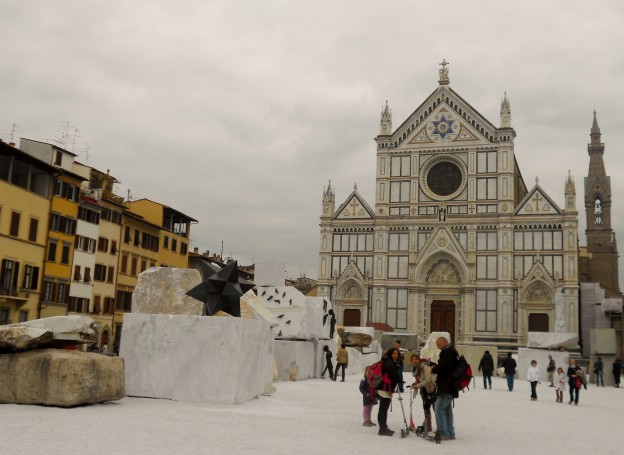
(574, 381)
(390, 372)
(329, 366)
(397, 344)
(367, 400)
(446, 391)
(486, 366)
(510, 370)
(342, 360)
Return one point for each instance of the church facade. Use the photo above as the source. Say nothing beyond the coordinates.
(455, 240)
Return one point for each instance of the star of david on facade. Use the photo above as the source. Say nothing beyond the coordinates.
(443, 127)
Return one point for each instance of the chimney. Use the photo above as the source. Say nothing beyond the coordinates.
(12, 144)
(196, 250)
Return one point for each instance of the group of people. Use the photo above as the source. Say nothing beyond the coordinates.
(431, 381)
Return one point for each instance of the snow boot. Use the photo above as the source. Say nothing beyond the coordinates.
(385, 431)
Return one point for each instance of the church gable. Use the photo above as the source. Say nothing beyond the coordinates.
(442, 240)
(445, 127)
(354, 208)
(537, 202)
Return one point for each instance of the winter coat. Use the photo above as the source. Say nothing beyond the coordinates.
(342, 356)
(617, 368)
(560, 382)
(533, 374)
(572, 377)
(551, 366)
(425, 379)
(598, 366)
(390, 368)
(510, 365)
(367, 399)
(444, 368)
(486, 365)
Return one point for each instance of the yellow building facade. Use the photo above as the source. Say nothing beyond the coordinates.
(25, 187)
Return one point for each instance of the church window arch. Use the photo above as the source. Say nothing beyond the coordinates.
(379, 268)
(464, 115)
(447, 100)
(430, 109)
(323, 267)
(570, 240)
(324, 242)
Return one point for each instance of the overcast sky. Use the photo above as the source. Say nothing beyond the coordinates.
(237, 113)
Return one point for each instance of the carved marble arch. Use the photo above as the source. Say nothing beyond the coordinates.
(539, 293)
(351, 290)
(443, 272)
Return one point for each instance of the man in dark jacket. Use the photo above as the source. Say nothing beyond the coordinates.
(510, 370)
(486, 367)
(446, 392)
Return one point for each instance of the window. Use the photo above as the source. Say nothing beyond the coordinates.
(113, 249)
(111, 274)
(486, 311)
(58, 158)
(31, 277)
(85, 244)
(32, 231)
(133, 266)
(102, 244)
(116, 217)
(62, 292)
(90, 216)
(52, 245)
(166, 242)
(174, 245)
(127, 237)
(486, 162)
(109, 305)
(422, 239)
(4, 316)
(99, 274)
(400, 191)
(143, 265)
(65, 253)
(55, 222)
(76, 273)
(23, 316)
(137, 235)
(183, 248)
(48, 289)
(397, 266)
(487, 267)
(87, 275)
(400, 166)
(97, 308)
(124, 301)
(486, 188)
(15, 222)
(8, 276)
(124, 263)
(527, 240)
(398, 241)
(487, 241)
(396, 310)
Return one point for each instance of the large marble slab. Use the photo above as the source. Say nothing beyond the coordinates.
(430, 349)
(162, 290)
(195, 358)
(56, 332)
(603, 341)
(60, 377)
(552, 340)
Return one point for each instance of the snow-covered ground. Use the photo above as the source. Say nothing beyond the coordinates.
(319, 417)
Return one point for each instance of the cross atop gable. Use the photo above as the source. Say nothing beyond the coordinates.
(537, 202)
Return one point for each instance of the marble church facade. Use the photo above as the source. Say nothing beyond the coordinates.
(455, 240)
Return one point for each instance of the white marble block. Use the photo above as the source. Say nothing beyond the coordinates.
(552, 340)
(196, 358)
(162, 290)
(525, 355)
(296, 359)
(430, 349)
(269, 273)
(299, 317)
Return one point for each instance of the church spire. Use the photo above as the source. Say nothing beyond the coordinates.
(595, 133)
(329, 200)
(570, 193)
(385, 125)
(505, 112)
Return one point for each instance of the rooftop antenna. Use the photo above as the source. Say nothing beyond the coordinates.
(63, 128)
(221, 248)
(85, 150)
(76, 134)
(13, 129)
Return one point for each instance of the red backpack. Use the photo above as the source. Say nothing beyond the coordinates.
(461, 375)
(375, 377)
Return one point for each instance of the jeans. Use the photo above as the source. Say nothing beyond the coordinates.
(444, 414)
(338, 366)
(510, 380)
(382, 413)
(487, 379)
(599, 379)
(534, 390)
(574, 394)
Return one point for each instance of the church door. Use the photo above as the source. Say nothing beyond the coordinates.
(443, 317)
(538, 322)
(351, 318)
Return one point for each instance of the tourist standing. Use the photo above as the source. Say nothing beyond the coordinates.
(533, 376)
(550, 369)
(574, 382)
(329, 366)
(510, 365)
(560, 381)
(446, 392)
(617, 371)
(342, 360)
(598, 370)
(368, 400)
(397, 345)
(390, 370)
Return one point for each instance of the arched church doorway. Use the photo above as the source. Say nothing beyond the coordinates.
(538, 322)
(443, 317)
(351, 318)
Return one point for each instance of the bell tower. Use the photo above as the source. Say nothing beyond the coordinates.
(603, 267)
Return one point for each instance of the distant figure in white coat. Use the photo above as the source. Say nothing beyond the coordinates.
(533, 376)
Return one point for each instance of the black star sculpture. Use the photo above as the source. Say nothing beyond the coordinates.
(221, 289)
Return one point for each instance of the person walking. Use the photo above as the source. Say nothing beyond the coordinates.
(390, 379)
(444, 403)
(329, 366)
(486, 367)
(574, 382)
(560, 380)
(550, 369)
(509, 364)
(598, 370)
(617, 371)
(533, 376)
(342, 360)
